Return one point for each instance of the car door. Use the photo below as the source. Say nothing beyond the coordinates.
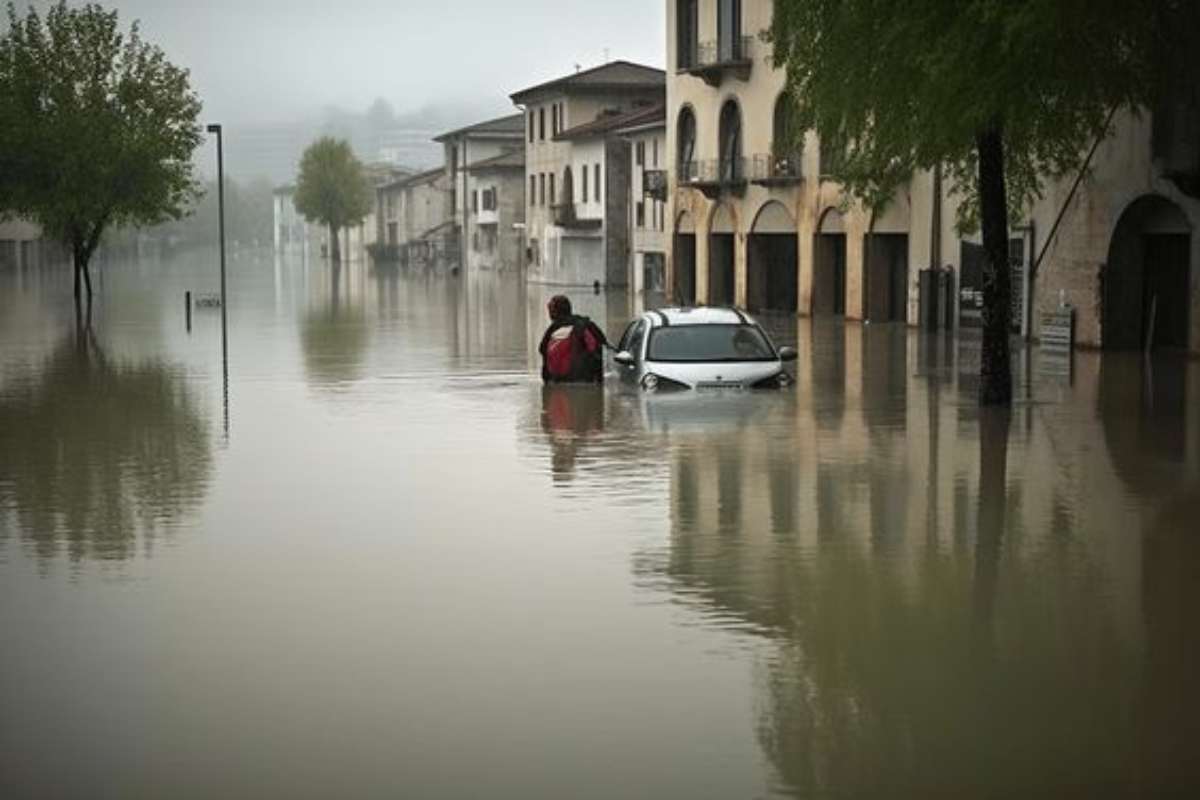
(632, 342)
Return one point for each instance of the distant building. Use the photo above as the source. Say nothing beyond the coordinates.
(578, 170)
(647, 138)
(293, 234)
(415, 221)
(495, 223)
(466, 150)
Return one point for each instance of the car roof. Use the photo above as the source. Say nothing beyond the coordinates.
(705, 315)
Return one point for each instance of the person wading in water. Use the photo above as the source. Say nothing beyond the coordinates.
(572, 348)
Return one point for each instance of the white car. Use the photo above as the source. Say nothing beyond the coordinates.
(700, 348)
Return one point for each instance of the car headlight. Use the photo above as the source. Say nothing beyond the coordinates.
(653, 383)
(650, 383)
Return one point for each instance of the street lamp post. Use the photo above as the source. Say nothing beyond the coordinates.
(215, 128)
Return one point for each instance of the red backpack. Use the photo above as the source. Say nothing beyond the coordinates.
(572, 352)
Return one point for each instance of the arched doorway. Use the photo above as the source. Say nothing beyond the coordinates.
(772, 257)
(683, 290)
(1146, 283)
(720, 257)
(885, 272)
(829, 265)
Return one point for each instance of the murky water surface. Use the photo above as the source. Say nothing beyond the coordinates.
(385, 562)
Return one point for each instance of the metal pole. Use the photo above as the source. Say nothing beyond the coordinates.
(224, 314)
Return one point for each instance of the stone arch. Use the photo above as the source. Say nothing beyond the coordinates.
(829, 264)
(1146, 282)
(772, 260)
(722, 233)
(683, 280)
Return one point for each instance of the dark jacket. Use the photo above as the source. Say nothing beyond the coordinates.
(592, 370)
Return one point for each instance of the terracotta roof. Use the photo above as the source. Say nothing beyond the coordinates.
(427, 176)
(607, 123)
(514, 159)
(512, 126)
(613, 75)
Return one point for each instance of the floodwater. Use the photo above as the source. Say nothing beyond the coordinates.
(383, 562)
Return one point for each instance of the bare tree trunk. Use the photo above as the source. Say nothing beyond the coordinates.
(995, 386)
(335, 246)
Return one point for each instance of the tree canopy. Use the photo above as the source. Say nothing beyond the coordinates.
(332, 188)
(98, 127)
(1003, 95)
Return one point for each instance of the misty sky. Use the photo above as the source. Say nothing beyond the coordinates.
(269, 60)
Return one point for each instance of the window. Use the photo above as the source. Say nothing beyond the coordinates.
(542, 123)
(489, 199)
(542, 189)
(532, 190)
(640, 154)
(562, 116)
(731, 142)
(568, 188)
(554, 119)
(687, 27)
(641, 214)
(787, 146)
(683, 343)
(654, 145)
(585, 184)
(729, 30)
(531, 126)
(475, 201)
(596, 183)
(687, 145)
(553, 194)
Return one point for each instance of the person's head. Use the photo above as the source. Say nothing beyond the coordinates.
(559, 307)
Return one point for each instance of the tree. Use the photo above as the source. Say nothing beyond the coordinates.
(1004, 95)
(99, 128)
(332, 188)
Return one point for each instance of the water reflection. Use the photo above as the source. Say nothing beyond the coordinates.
(1016, 628)
(334, 333)
(97, 453)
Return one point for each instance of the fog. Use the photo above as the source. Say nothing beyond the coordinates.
(275, 70)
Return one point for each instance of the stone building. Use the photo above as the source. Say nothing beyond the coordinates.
(647, 139)
(495, 223)
(468, 175)
(761, 224)
(577, 171)
(416, 221)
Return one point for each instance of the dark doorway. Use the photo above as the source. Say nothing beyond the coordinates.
(684, 290)
(829, 274)
(1146, 282)
(720, 269)
(886, 277)
(771, 274)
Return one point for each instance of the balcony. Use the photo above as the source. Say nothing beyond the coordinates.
(573, 216)
(714, 177)
(654, 184)
(712, 61)
(487, 216)
(771, 170)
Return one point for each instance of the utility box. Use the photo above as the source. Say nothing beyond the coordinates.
(936, 292)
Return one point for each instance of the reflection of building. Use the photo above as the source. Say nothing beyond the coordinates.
(578, 171)
(915, 629)
(22, 245)
(761, 222)
(482, 166)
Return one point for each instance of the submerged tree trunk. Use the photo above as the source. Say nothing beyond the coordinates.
(995, 386)
(335, 246)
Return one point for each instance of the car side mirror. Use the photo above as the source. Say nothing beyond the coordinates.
(788, 354)
(624, 358)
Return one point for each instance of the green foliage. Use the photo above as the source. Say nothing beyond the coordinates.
(99, 128)
(908, 85)
(332, 188)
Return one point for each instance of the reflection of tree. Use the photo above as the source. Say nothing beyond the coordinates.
(334, 339)
(93, 451)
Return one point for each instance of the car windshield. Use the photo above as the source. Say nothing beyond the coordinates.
(709, 343)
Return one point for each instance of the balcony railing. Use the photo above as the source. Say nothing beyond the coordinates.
(712, 176)
(575, 215)
(713, 60)
(769, 169)
(654, 184)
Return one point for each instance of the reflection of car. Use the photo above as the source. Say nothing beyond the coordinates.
(700, 348)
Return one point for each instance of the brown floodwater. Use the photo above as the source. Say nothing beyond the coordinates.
(382, 561)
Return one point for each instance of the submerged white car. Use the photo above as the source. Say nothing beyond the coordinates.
(700, 348)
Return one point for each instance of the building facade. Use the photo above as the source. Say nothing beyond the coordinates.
(762, 223)
(416, 222)
(577, 172)
(495, 223)
(469, 152)
(648, 202)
